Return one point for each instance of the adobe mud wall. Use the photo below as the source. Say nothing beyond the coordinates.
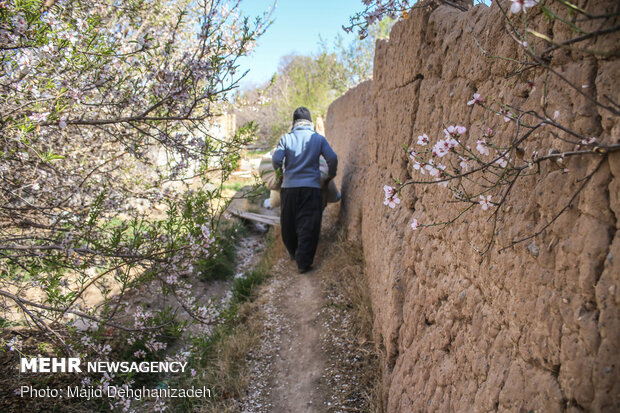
(535, 328)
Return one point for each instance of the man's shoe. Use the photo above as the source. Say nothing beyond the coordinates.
(305, 270)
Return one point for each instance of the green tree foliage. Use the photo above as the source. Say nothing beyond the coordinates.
(357, 56)
(310, 81)
(313, 81)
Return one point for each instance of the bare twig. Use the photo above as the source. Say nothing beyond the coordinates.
(21, 302)
(585, 181)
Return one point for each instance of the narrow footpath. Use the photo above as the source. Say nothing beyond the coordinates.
(313, 357)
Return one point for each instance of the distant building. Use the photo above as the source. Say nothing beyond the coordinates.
(223, 126)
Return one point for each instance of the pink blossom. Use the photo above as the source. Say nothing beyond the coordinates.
(464, 164)
(145, 42)
(412, 155)
(82, 25)
(193, 372)
(452, 143)
(441, 148)
(423, 139)
(434, 172)
(48, 48)
(506, 114)
(5, 37)
(482, 147)
(454, 130)
(139, 354)
(440, 168)
(14, 344)
(25, 61)
(206, 234)
(154, 346)
(476, 99)
(415, 224)
(502, 162)
(39, 117)
(207, 314)
(518, 5)
(449, 131)
(87, 341)
(62, 122)
(51, 20)
(419, 167)
(588, 141)
(485, 203)
(104, 350)
(71, 37)
(20, 23)
(391, 196)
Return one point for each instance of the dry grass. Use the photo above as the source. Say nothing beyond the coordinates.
(352, 282)
(223, 364)
(226, 369)
(343, 272)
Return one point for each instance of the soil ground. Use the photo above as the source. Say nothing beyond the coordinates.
(313, 356)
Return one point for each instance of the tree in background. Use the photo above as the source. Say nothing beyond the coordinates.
(357, 57)
(311, 81)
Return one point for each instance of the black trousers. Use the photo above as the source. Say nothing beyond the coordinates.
(300, 218)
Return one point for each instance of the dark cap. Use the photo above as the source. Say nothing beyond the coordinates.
(301, 113)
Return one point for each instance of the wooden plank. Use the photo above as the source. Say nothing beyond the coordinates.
(263, 219)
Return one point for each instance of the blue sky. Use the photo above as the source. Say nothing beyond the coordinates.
(296, 28)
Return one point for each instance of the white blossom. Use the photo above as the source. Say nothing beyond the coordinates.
(519, 5)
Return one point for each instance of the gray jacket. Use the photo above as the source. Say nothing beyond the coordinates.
(300, 151)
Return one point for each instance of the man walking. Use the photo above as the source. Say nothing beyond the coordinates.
(301, 197)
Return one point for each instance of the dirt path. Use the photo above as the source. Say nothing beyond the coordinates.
(299, 368)
(287, 370)
(312, 356)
